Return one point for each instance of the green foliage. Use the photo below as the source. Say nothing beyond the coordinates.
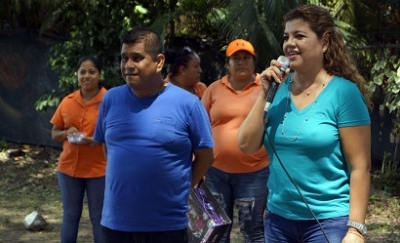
(194, 18)
(48, 100)
(386, 75)
(95, 30)
(385, 86)
(94, 27)
(260, 22)
(388, 178)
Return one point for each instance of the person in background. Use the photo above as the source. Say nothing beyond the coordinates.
(185, 70)
(81, 166)
(237, 178)
(149, 136)
(317, 134)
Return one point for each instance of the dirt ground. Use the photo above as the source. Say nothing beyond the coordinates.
(16, 233)
(28, 182)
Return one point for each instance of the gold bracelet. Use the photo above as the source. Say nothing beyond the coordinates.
(356, 233)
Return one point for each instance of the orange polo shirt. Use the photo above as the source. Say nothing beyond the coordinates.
(80, 160)
(198, 88)
(227, 110)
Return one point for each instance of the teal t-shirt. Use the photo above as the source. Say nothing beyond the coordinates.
(307, 143)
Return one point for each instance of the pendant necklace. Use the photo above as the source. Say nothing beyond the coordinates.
(292, 139)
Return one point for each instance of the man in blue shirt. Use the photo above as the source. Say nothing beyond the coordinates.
(158, 144)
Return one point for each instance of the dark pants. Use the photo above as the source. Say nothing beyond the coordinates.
(281, 230)
(248, 193)
(72, 193)
(115, 236)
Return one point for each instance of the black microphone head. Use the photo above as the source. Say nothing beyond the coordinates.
(285, 63)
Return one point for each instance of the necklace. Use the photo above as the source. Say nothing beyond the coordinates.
(305, 120)
(310, 90)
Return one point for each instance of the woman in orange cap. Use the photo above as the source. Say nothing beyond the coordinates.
(236, 178)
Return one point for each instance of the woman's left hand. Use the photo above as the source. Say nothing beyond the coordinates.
(89, 141)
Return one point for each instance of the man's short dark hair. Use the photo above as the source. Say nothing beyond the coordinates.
(151, 39)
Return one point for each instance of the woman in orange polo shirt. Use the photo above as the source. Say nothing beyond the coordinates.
(81, 166)
(185, 70)
(237, 179)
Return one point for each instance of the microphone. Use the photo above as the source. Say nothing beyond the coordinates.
(285, 63)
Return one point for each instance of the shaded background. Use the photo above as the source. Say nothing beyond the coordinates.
(25, 75)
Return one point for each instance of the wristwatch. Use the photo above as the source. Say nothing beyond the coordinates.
(360, 227)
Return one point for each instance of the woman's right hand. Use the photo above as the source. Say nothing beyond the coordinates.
(71, 130)
(271, 74)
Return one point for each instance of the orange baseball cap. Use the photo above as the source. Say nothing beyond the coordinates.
(239, 45)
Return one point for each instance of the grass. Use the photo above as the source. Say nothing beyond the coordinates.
(28, 182)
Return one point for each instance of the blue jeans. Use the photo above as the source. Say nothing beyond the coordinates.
(116, 236)
(248, 193)
(279, 229)
(72, 194)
